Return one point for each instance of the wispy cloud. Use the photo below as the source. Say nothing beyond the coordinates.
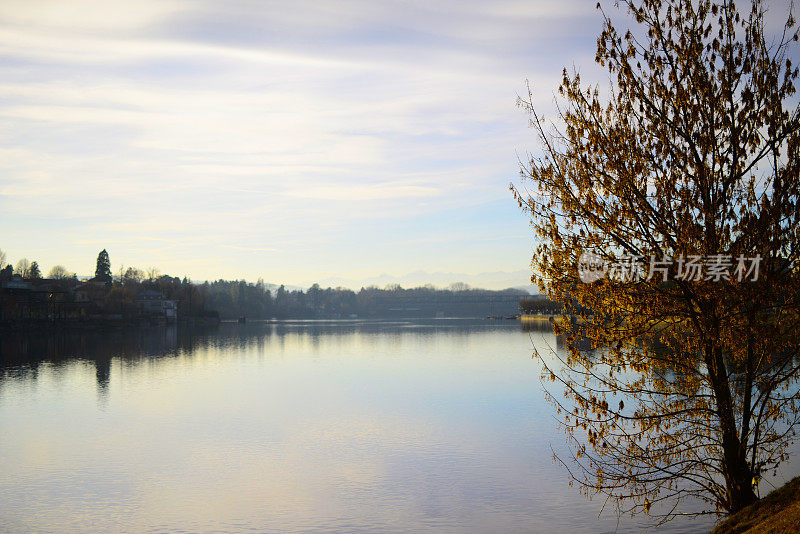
(249, 135)
(253, 249)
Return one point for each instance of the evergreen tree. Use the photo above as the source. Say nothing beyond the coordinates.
(103, 270)
(34, 272)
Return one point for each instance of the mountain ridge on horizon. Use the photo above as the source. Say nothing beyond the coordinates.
(494, 280)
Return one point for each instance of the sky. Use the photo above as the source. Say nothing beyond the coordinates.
(291, 141)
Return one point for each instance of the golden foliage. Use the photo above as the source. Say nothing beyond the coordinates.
(692, 151)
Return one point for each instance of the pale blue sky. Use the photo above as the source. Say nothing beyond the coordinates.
(294, 141)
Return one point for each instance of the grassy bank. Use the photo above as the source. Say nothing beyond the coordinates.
(777, 512)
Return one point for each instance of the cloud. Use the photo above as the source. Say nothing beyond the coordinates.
(282, 128)
(253, 249)
(364, 192)
(87, 15)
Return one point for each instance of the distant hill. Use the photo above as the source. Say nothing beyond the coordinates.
(488, 280)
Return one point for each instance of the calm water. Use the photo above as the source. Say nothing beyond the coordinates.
(296, 427)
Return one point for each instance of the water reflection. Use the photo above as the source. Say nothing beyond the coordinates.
(287, 427)
(22, 354)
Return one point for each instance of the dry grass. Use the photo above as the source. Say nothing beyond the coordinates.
(778, 512)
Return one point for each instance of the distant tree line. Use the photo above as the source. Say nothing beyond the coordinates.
(231, 299)
(239, 298)
(30, 270)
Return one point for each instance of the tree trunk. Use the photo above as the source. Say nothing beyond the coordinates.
(738, 475)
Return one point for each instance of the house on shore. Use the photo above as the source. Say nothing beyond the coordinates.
(91, 292)
(37, 300)
(152, 304)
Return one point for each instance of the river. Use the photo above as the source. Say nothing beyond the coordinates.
(359, 426)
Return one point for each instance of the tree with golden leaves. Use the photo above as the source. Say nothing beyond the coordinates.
(682, 175)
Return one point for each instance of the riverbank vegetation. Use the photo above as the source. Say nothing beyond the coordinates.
(134, 293)
(778, 512)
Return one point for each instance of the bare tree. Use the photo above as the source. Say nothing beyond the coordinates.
(133, 274)
(58, 272)
(23, 268)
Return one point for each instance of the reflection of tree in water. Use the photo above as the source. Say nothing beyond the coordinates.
(23, 354)
(102, 370)
(545, 326)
